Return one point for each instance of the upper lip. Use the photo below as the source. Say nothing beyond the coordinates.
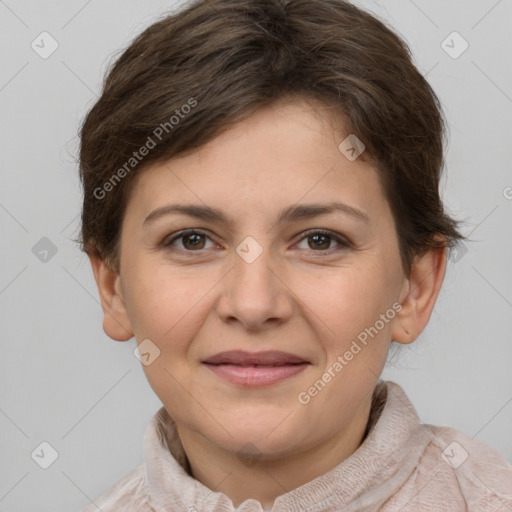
(267, 358)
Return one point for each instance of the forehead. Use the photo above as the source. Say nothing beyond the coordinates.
(284, 154)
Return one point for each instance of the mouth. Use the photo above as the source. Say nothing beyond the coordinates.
(248, 369)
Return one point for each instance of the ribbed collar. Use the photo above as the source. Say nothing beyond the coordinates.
(389, 453)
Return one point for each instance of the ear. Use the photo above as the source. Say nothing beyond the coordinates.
(419, 295)
(116, 322)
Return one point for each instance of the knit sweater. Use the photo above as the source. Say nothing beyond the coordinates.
(402, 465)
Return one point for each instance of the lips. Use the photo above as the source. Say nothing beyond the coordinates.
(269, 358)
(253, 369)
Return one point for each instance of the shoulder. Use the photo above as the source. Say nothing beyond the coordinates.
(128, 494)
(467, 470)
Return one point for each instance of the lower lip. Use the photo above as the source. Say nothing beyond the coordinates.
(252, 376)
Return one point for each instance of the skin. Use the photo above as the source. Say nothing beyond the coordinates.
(302, 295)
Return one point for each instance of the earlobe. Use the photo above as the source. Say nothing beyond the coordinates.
(420, 294)
(116, 322)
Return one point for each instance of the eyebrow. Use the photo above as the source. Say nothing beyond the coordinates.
(290, 214)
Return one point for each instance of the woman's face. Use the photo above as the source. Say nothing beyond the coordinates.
(264, 271)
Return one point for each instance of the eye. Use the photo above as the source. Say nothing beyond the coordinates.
(192, 240)
(320, 240)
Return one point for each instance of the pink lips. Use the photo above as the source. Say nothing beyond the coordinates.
(257, 368)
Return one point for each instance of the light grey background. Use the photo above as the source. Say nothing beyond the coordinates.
(64, 382)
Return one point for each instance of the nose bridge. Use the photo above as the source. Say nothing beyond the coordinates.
(253, 267)
(253, 275)
(253, 292)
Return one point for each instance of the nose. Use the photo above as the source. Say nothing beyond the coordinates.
(255, 294)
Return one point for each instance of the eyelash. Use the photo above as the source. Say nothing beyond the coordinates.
(343, 243)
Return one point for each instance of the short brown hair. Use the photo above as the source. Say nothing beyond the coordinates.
(222, 60)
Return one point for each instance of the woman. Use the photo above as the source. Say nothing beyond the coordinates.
(262, 213)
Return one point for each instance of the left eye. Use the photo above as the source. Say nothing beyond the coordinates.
(195, 240)
(322, 240)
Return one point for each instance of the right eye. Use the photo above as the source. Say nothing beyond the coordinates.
(192, 240)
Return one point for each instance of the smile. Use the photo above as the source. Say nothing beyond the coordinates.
(255, 369)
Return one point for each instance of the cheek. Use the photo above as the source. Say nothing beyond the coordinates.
(350, 324)
(347, 300)
(167, 307)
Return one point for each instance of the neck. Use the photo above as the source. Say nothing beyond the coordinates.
(266, 478)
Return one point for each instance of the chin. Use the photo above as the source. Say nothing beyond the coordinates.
(268, 434)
